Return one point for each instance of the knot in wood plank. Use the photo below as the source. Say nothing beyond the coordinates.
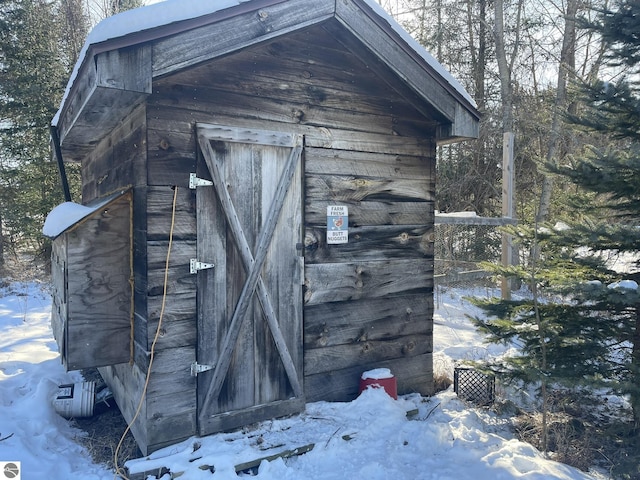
(409, 314)
(297, 115)
(408, 348)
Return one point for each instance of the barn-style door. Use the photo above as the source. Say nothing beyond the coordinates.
(250, 302)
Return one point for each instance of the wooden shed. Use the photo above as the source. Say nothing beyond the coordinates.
(279, 157)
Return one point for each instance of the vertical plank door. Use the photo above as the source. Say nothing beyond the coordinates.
(250, 302)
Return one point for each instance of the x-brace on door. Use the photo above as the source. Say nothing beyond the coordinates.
(250, 303)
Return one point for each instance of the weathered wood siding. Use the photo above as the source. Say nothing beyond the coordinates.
(120, 159)
(92, 295)
(116, 162)
(59, 292)
(368, 303)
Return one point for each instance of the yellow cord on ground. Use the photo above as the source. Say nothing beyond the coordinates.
(118, 471)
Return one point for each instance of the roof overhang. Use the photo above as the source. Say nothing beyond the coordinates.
(115, 74)
(69, 215)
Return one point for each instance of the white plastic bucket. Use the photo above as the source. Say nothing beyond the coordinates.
(75, 400)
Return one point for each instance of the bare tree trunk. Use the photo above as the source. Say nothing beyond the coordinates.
(478, 52)
(422, 32)
(505, 67)
(566, 67)
(480, 66)
(542, 338)
(439, 28)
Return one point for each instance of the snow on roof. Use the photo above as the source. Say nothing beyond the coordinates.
(171, 11)
(457, 214)
(64, 216)
(68, 214)
(139, 20)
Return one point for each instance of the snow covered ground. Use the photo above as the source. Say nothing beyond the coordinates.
(369, 438)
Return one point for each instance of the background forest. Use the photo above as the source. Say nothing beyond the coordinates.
(520, 60)
(39, 43)
(557, 85)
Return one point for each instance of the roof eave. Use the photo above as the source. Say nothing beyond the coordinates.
(165, 49)
(401, 54)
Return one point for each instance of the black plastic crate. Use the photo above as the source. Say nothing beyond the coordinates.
(473, 386)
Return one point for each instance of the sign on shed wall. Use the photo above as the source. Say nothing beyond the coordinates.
(337, 224)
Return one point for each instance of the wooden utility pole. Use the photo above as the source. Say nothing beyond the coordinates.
(508, 207)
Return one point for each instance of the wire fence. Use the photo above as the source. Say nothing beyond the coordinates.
(462, 243)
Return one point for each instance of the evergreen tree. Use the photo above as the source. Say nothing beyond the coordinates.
(581, 324)
(37, 52)
(612, 175)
